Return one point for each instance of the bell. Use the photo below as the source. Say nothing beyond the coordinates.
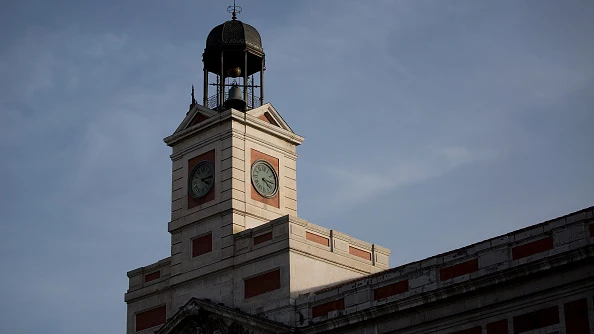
(235, 99)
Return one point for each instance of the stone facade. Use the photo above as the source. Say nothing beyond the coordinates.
(508, 284)
(255, 273)
(234, 247)
(243, 262)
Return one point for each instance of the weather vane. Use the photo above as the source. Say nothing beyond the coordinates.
(234, 10)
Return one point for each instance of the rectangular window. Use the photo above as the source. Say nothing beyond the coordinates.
(360, 253)
(317, 239)
(498, 327)
(152, 276)
(262, 238)
(532, 248)
(538, 319)
(202, 245)
(576, 317)
(458, 270)
(390, 290)
(150, 318)
(323, 309)
(263, 283)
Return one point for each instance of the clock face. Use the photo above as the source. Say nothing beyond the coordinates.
(201, 179)
(264, 178)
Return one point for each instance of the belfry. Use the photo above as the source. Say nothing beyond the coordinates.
(233, 55)
(242, 261)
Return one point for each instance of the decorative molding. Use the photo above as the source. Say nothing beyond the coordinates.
(204, 317)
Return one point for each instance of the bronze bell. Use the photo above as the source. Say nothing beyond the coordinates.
(235, 99)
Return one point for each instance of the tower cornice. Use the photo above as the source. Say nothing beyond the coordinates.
(282, 131)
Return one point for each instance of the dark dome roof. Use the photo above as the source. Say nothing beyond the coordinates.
(234, 33)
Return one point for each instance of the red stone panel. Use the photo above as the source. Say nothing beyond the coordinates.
(591, 230)
(323, 309)
(210, 157)
(498, 327)
(458, 269)
(150, 318)
(473, 330)
(317, 239)
(390, 290)
(262, 238)
(152, 276)
(267, 118)
(360, 253)
(538, 319)
(202, 245)
(197, 119)
(576, 317)
(532, 248)
(260, 284)
(274, 201)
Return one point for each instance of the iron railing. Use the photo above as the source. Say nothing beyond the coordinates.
(253, 101)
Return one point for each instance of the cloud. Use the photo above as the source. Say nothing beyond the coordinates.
(361, 182)
(389, 94)
(83, 122)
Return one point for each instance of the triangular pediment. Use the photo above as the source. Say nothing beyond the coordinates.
(268, 114)
(195, 116)
(199, 316)
(265, 118)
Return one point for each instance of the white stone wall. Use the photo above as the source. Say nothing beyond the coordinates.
(572, 241)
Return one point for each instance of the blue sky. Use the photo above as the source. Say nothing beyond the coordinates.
(429, 125)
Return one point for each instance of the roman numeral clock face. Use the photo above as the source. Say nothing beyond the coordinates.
(201, 179)
(264, 179)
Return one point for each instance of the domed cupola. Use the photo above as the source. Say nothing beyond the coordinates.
(234, 33)
(233, 54)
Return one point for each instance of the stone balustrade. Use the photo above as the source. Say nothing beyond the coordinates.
(314, 239)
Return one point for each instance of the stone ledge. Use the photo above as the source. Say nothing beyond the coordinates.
(414, 298)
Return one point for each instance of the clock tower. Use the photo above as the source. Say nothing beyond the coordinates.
(235, 236)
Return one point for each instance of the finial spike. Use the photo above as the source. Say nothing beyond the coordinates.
(234, 10)
(193, 99)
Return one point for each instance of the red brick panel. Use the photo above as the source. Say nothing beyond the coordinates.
(323, 309)
(390, 290)
(202, 245)
(152, 276)
(262, 283)
(498, 327)
(474, 330)
(458, 270)
(274, 201)
(591, 230)
(532, 248)
(576, 317)
(150, 318)
(210, 157)
(262, 238)
(317, 239)
(538, 319)
(360, 253)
